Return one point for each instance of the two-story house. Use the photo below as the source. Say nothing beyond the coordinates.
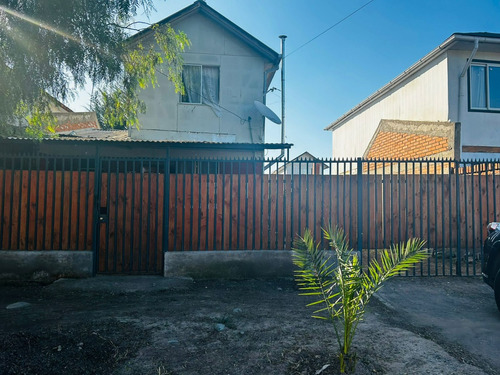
(445, 105)
(225, 70)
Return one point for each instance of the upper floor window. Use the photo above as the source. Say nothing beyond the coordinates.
(201, 84)
(484, 87)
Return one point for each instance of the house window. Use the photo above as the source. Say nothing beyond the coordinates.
(484, 87)
(201, 84)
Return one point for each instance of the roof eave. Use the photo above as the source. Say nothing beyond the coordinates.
(446, 45)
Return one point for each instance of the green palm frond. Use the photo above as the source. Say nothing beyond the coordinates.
(336, 279)
(399, 258)
(315, 274)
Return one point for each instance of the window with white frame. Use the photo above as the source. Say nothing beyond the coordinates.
(201, 84)
(484, 86)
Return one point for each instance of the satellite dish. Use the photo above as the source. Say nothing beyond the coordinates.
(267, 112)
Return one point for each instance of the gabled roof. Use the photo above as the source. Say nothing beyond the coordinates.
(306, 157)
(460, 41)
(201, 7)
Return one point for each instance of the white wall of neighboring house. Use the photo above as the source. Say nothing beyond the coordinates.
(421, 97)
(477, 128)
(241, 82)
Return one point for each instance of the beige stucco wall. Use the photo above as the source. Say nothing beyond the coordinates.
(422, 97)
(241, 82)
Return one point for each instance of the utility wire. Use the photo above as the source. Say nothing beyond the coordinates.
(331, 27)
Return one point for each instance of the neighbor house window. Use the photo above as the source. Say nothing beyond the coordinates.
(484, 86)
(201, 84)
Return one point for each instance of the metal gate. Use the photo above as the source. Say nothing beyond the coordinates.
(130, 216)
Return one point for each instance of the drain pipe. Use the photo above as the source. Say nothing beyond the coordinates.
(283, 38)
(462, 75)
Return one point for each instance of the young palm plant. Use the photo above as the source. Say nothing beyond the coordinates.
(341, 287)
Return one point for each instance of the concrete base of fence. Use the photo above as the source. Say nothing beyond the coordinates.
(44, 265)
(226, 264)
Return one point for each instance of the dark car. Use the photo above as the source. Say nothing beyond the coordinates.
(491, 260)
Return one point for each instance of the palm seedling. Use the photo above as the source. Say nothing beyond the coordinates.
(341, 287)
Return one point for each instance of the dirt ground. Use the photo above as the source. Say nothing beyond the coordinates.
(157, 326)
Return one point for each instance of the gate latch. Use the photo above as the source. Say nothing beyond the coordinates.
(103, 215)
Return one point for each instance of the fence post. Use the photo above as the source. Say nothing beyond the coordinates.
(359, 188)
(166, 203)
(96, 228)
(459, 224)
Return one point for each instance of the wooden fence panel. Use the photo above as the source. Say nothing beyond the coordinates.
(46, 210)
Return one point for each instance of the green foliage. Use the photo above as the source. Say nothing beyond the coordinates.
(341, 288)
(39, 119)
(118, 106)
(57, 46)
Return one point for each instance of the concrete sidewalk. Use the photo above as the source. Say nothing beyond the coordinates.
(461, 310)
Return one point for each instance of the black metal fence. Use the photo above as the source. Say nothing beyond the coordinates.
(129, 211)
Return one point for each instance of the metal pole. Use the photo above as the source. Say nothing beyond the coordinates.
(283, 38)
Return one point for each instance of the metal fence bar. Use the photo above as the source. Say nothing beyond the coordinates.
(459, 254)
(166, 203)
(428, 199)
(466, 255)
(183, 215)
(442, 220)
(254, 166)
(115, 242)
(78, 204)
(148, 220)
(155, 247)
(124, 222)
(132, 218)
(198, 244)
(2, 212)
(245, 247)
(176, 187)
(28, 208)
(359, 185)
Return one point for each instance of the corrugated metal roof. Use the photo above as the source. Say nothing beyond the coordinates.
(121, 136)
(96, 134)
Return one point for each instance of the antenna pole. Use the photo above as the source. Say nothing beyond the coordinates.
(282, 37)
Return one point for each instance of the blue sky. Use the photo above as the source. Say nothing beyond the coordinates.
(338, 70)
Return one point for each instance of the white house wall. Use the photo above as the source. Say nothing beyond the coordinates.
(424, 97)
(241, 82)
(478, 128)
